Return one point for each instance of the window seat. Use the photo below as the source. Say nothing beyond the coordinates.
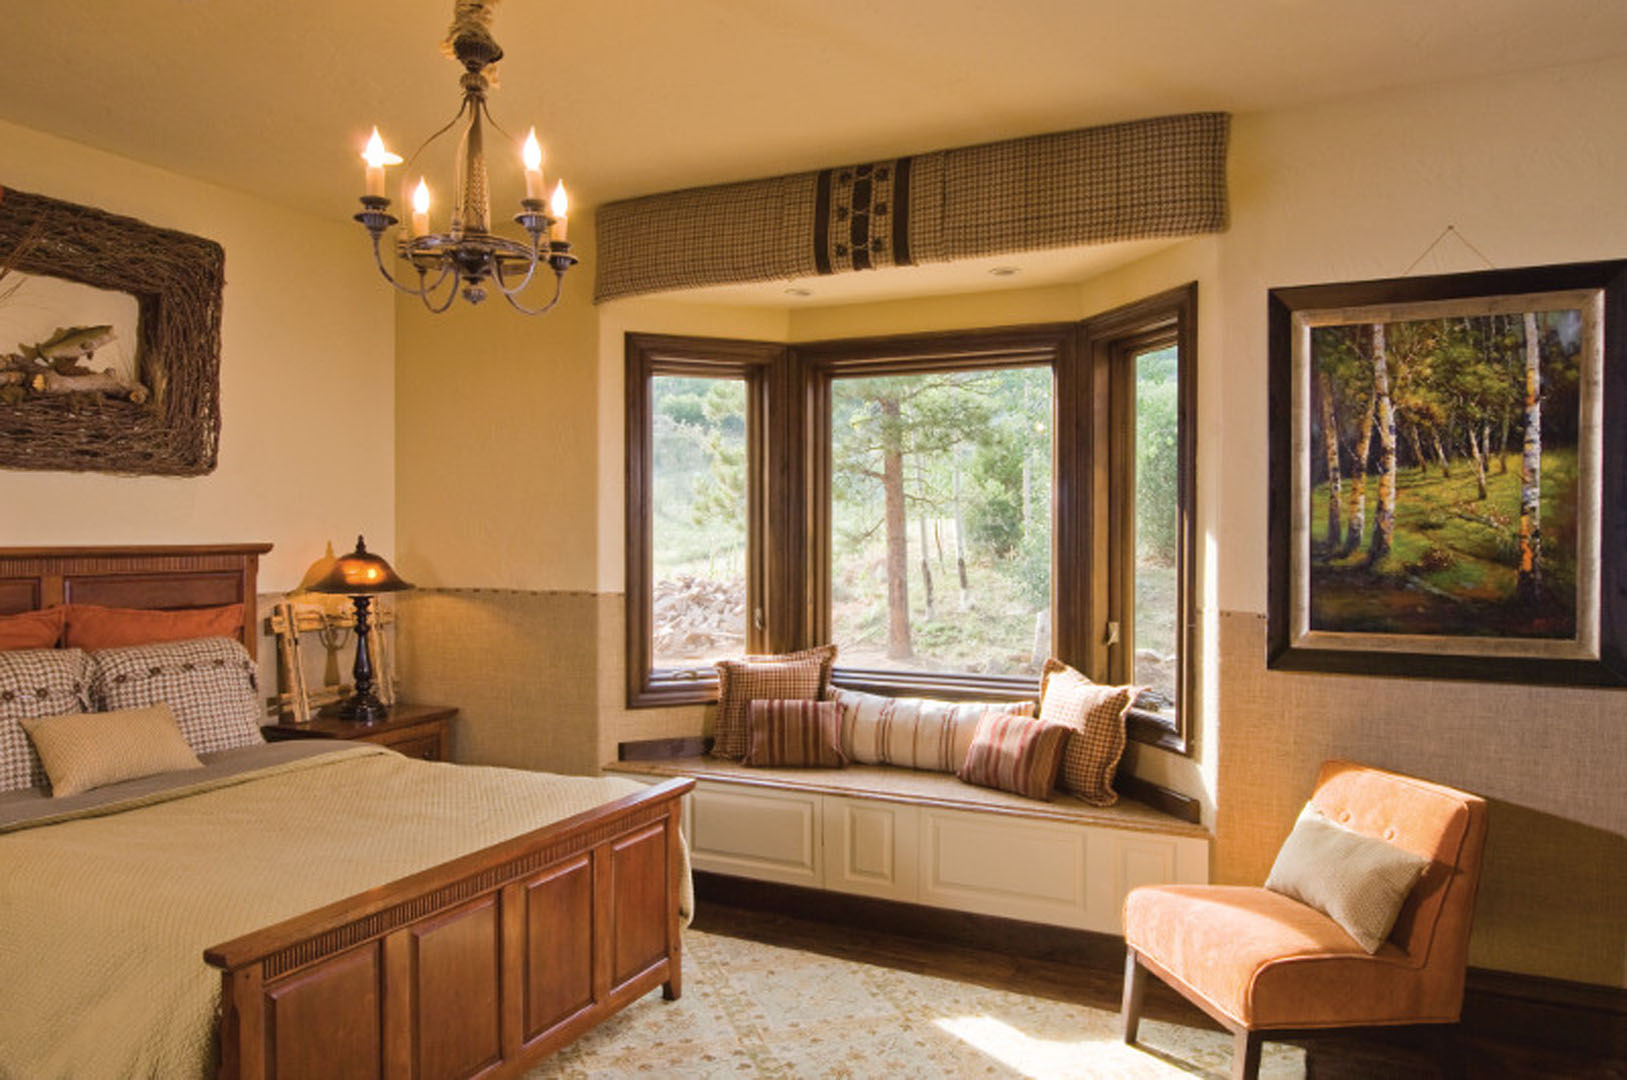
(929, 838)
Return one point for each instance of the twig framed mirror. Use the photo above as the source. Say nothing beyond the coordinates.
(162, 415)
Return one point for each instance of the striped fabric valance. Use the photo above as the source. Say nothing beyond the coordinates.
(1133, 181)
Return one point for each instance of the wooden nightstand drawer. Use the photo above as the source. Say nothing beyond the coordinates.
(425, 747)
(419, 731)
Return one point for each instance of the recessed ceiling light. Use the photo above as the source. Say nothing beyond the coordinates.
(798, 290)
(1005, 271)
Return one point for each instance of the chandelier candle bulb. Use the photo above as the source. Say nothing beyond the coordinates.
(560, 205)
(533, 157)
(377, 157)
(420, 209)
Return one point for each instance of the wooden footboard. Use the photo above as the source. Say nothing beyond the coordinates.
(478, 967)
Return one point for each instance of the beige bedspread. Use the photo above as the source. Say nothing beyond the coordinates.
(104, 918)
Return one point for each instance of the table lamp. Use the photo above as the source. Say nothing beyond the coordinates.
(359, 575)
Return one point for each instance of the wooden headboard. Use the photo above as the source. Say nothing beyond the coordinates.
(171, 577)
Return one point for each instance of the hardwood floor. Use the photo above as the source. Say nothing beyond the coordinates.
(1097, 983)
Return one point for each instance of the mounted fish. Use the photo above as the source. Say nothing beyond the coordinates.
(57, 366)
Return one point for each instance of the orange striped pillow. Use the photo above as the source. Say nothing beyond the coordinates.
(1020, 754)
(796, 734)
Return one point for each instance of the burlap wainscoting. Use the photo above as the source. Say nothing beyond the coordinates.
(1141, 180)
(1547, 759)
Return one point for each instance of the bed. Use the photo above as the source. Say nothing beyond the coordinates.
(479, 963)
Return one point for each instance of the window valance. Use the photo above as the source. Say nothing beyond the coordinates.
(1132, 181)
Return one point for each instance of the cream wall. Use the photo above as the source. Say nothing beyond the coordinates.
(1528, 168)
(1525, 166)
(306, 377)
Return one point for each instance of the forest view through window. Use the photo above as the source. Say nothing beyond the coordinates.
(698, 527)
(1154, 663)
(940, 488)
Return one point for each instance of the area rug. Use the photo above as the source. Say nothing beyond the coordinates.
(752, 1010)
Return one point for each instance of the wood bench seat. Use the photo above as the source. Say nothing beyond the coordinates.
(929, 838)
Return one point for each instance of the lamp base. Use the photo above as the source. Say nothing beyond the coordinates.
(363, 709)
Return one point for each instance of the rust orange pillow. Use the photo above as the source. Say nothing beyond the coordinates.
(94, 627)
(31, 629)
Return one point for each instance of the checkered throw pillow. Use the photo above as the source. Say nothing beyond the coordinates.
(1019, 754)
(801, 676)
(916, 733)
(36, 682)
(209, 683)
(1096, 715)
(794, 734)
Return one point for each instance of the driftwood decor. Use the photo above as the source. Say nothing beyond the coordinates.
(59, 413)
(300, 699)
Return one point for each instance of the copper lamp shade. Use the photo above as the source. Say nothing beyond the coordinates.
(359, 575)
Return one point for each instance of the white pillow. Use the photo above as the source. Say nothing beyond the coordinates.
(917, 733)
(1357, 881)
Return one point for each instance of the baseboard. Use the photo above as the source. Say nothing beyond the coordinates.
(1501, 1006)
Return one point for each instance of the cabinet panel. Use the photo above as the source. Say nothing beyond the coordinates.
(1002, 866)
(870, 847)
(773, 836)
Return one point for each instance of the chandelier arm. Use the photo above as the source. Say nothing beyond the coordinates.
(451, 294)
(486, 111)
(462, 108)
(422, 290)
(559, 289)
(530, 271)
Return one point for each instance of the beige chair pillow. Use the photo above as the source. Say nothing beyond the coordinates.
(1357, 881)
(81, 751)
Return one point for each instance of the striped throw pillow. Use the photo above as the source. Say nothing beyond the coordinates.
(1019, 754)
(1096, 715)
(790, 676)
(210, 684)
(795, 734)
(916, 733)
(36, 682)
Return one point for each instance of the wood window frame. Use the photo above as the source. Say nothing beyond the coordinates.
(1112, 341)
(762, 367)
(1053, 345)
(788, 547)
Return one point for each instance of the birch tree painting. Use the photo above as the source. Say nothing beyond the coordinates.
(1418, 525)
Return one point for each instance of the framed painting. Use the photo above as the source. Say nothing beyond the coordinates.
(1449, 476)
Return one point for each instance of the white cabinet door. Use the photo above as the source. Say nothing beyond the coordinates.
(769, 835)
(997, 865)
(870, 847)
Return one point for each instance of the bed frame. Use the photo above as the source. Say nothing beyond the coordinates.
(478, 967)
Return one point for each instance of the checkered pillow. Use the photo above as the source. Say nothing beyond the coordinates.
(1019, 754)
(916, 733)
(36, 682)
(796, 734)
(209, 683)
(1096, 715)
(800, 676)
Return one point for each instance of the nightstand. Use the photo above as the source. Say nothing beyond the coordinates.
(420, 731)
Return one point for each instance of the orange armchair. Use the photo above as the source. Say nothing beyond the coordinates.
(1259, 962)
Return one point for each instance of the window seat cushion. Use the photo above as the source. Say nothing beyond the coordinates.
(889, 784)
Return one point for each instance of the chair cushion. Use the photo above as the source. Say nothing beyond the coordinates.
(1263, 960)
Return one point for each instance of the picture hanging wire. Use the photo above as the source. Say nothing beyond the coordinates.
(1450, 230)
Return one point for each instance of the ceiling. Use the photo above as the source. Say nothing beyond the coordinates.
(638, 96)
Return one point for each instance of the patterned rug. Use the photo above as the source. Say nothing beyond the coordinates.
(753, 1010)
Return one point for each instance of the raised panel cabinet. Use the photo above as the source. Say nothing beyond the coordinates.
(870, 847)
(764, 834)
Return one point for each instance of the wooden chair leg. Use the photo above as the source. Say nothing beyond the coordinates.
(1135, 988)
(1245, 1054)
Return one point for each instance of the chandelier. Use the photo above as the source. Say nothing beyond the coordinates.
(468, 253)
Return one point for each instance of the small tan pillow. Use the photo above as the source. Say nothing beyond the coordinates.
(1095, 712)
(1357, 881)
(81, 751)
